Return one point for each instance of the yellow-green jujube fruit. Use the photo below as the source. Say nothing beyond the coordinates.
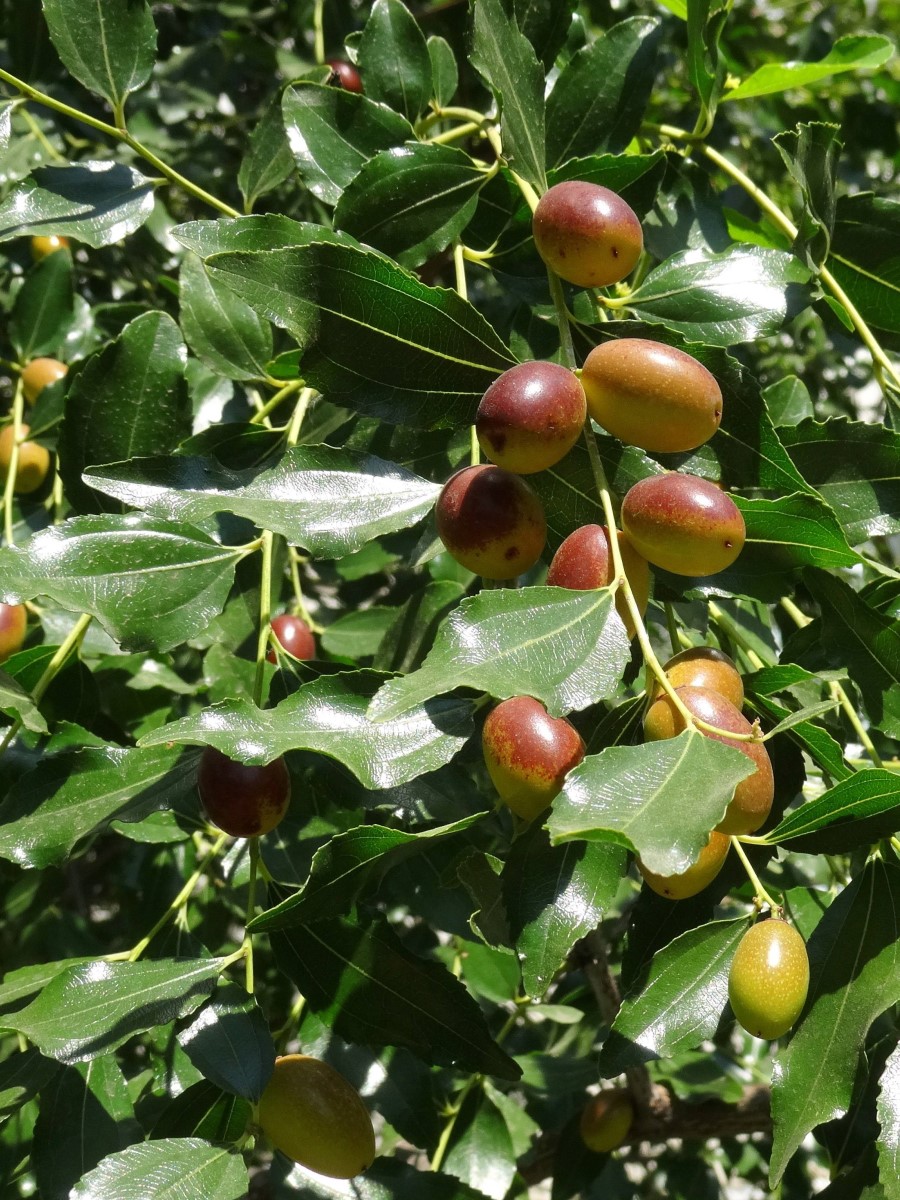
(769, 978)
(44, 244)
(698, 875)
(40, 373)
(32, 464)
(606, 1120)
(311, 1113)
(705, 667)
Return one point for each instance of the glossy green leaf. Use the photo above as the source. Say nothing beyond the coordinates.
(815, 741)
(329, 716)
(152, 584)
(330, 501)
(96, 202)
(482, 1156)
(865, 256)
(44, 308)
(853, 812)
(706, 68)
(264, 231)
(160, 1170)
(660, 799)
(359, 634)
(636, 177)
(386, 1179)
(268, 161)
(791, 532)
(811, 153)
(565, 648)
(16, 701)
(444, 71)
(788, 401)
(889, 1121)
(204, 1111)
(229, 1042)
(108, 45)
(854, 53)
(223, 331)
(394, 59)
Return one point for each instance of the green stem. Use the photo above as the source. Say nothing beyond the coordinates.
(251, 909)
(265, 615)
(180, 900)
(303, 400)
(319, 31)
(762, 896)
(672, 625)
(270, 405)
(9, 488)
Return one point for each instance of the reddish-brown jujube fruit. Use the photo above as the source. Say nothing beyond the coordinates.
(696, 877)
(587, 234)
(40, 373)
(528, 754)
(294, 636)
(584, 561)
(530, 417)
(752, 800)
(32, 465)
(651, 395)
(491, 522)
(769, 978)
(683, 524)
(242, 800)
(13, 625)
(346, 74)
(705, 667)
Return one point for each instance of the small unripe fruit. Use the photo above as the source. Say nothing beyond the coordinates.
(40, 373)
(705, 667)
(584, 561)
(587, 234)
(528, 754)
(242, 800)
(651, 395)
(42, 245)
(697, 876)
(32, 465)
(606, 1120)
(346, 74)
(491, 522)
(294, 636)
(311, 1113)
(13, 624)
(769, 978)
(752, 800)
(683, 524)
(530, 417)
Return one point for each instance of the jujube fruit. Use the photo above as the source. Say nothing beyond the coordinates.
(13, 625)
(769, 978)
(528, 754)
(752, 800)
(294, 636)
(697, 876)
(44, 244)
(705, 667)
(584, 561)
(651, 395)
(40, 373)
(33, 461)
(530, 417)
(346, 74)
(587, 234)
(606, 1120)
(683, 524)
(242, 800)
(491, 522)
(311, 1113)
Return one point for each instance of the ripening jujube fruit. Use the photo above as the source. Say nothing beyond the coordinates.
(242, 800)
(587, 234)
(491, 522)
(705, 667)
(346, 74)
(13, 624)
(528, 754)
(584, 561)
(44, 244)
(697, 876)
(651, 395)
(32, 465)
(752, 800)
(294, 636)
(315, 1116)
(683, 524)
(40, 373)
(606, 1120)
(769, 978)
(530, 417)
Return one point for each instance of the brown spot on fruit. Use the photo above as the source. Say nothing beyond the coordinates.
(491, 522)
(576, 223)
(530, 417)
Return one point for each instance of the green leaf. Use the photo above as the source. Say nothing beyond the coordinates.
(330, 501)
(598, 102)
(22, 1075)
(706, 70)
(660, 799)
(204, 1111)
(483, 1156)
(159, 1170)
(853, 812)
(89, 1010)
(813, 1078)
(44, 308)
(267, 231)
(130, 398)
(815, 741)
(788, 401)
(374, 991)
(853, 53)
(723, 299)
(680, 1004)
(412, 201)
(230, 1044)
(332, 133)
(546, 24)
(386, 1179)
(553, 896)
(505, 59)
(565, 648)
(865, 256)
(223, 331)
(108, 45)
(268, 161)
(373, 338)
(811, 153)
(67, 796)
(96, 202)
(411, 635)
(359, 634)
(394, 59)
(444, 71)
(329, 716)
(17, 702)
(152, 584)
(889, 1120)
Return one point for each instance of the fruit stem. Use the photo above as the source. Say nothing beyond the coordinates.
(724, 621)
(265, 615)
(447, 1131)
(13, 469)
(247, 945)
(319, 31)
(761, 895)
(270, 405)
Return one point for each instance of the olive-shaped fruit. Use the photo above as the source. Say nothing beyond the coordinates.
(528, 754)
(13, 624)
(587, 234)
(42, 245)
(530, 417)
(769, 978)
(683, 524)
(294, 636)
(705, 667)
(651, 395)
(40, 373)
(32, 465)
(491, 522)
(752, 800)
(242, 800)
(697, 876)
(311, 1113)
(606, 1120)
(584, 561)
(346, 74)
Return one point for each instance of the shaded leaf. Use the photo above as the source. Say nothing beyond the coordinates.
(865, 256)
(811, 153)
(268, 160)
(229, 1042)
(44, 308)
(96, 202)
(158, 1170)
